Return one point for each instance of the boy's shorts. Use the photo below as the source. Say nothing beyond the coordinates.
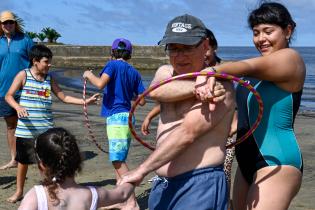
(119, 136)
(5, 109)
(25, 151)
(202, 189)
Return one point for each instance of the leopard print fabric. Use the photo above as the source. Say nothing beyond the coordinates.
(228, 161)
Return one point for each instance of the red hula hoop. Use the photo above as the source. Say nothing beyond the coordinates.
(243, 83)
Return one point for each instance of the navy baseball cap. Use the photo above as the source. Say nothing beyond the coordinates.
(184, 29)
(122, 44)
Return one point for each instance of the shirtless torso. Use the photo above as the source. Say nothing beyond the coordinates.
(208, 149)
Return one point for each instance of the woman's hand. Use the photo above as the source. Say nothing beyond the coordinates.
(218, 92)
(209, 89)
(205, 87)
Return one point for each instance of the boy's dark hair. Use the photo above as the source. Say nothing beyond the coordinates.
(120, 53)
(271, 13)
(59, 153)
(38, 52)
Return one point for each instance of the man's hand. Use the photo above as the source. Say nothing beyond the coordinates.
(133, 176)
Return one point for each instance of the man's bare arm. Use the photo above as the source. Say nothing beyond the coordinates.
(174, 91)
(196, 123)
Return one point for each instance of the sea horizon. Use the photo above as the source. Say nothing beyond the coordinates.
(226, 53)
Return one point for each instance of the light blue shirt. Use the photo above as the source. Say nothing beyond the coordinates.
(13, 58)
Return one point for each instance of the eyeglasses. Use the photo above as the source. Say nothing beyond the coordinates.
(8, 22)
(185, 51)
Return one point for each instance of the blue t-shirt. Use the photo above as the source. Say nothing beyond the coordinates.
(13, 58)
(124, 85)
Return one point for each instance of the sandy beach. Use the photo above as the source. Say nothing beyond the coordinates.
(98, 171)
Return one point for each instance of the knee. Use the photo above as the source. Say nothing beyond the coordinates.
(11, 123)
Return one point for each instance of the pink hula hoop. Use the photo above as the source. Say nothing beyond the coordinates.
(192, 75)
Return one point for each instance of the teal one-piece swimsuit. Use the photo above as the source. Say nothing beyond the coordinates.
(274, 142)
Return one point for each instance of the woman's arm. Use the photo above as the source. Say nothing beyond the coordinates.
(284, 67)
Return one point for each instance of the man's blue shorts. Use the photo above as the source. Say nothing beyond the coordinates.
(200, 189)
(5, 109)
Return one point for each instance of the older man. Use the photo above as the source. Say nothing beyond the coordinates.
(191, 134)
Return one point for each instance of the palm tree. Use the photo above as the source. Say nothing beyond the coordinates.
(41, 37)
(32, 35)
(51, 34)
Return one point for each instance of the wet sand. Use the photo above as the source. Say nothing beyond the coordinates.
(98, 171)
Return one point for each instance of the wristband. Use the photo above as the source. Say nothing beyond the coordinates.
(214, 70)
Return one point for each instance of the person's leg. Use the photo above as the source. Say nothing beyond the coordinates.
(121, 168)
(228, 162)
(274, 188)
(20, 180)
(119, 138)
(11, 126)
(240, 190)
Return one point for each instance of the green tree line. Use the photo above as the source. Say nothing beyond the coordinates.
(46, 33)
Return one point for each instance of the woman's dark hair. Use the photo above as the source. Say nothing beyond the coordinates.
(38, 52)
(212, 40)
(58, 151)
(213, 43)
(271, 13)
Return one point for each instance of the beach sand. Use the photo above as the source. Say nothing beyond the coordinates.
(98, 171)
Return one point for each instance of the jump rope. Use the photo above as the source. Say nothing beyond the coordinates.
(242, 82)
(87, 121)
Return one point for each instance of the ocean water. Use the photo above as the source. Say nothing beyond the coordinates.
(73, 78)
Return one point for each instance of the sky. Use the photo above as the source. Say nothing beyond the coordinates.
(143, 22)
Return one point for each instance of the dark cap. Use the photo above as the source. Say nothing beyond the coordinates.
(122, 44)
(185, 29)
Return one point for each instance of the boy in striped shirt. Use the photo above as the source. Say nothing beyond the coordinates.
(34, 109)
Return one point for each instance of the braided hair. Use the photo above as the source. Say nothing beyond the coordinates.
(58, 151)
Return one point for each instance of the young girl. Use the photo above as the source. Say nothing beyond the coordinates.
(58, 161)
